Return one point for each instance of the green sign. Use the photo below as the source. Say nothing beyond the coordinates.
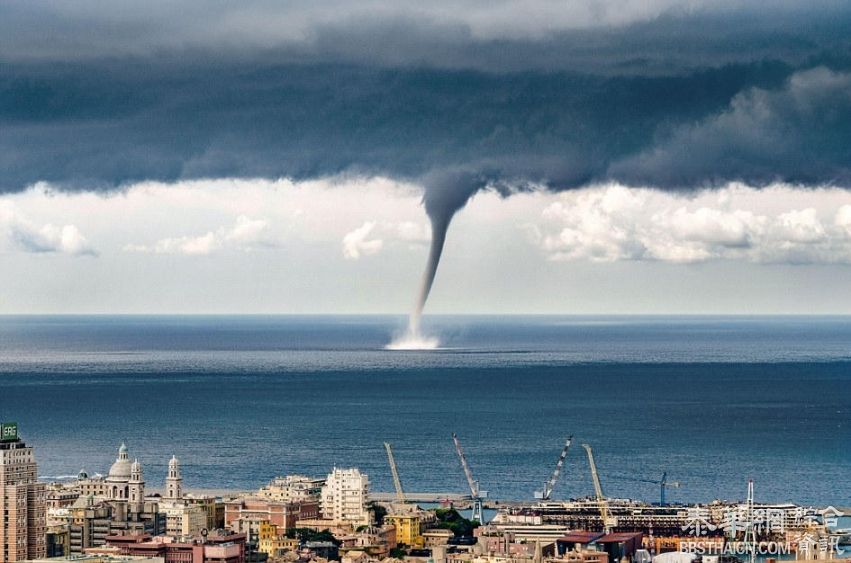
(8, 431)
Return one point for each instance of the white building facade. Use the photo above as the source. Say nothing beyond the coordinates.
(344, 497)
(293, 488)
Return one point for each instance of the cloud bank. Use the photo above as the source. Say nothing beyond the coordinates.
(246, 234)
(661, 94)
(613, 223)
(497, 249)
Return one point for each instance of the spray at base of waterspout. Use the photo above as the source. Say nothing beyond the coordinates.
(414, 341)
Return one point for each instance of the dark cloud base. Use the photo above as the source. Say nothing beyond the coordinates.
(677, 102)
(101, 125)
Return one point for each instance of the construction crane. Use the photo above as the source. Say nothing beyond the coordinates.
(608, 523)
(549, 485)
(475, 493)
(664, 484)
(750, 528)
(400, 494)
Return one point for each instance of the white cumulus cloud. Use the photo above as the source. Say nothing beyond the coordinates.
(246, 234)
(357, 242)
(611, 223)
(25, 235)
(370, 237)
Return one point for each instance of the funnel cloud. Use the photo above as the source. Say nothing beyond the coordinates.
(445, 194)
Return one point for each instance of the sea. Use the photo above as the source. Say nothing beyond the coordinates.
(711, 402)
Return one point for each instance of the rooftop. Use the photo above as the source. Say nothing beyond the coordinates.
(580, 536)
(619, 537)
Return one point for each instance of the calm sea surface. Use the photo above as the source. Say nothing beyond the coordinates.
(711, 400)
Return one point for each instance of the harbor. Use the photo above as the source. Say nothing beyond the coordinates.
(338, 517)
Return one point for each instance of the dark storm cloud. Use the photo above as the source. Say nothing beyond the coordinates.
(800, 133)
(94, 125)
(659, 96)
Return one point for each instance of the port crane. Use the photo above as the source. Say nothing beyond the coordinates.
(750, 528)
(400, 494)
(664, 484)
(608, 522)
(549, 485)
(475, 493)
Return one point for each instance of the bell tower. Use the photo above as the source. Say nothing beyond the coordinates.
(136, 484)
(174, 482)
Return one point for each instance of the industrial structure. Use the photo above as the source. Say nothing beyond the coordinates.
(397, 483)
(608, 522)
(550, 485)
(476, 493)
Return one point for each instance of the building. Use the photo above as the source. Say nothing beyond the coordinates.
(357, 556)
(273, 543)
(124, 481)
(100, 558)
(585, 556)
(324, 549)
(227, 548)
(576, 541)
(620, 545)
(544, 533)
(505, 547)
(93, 520)
(336, 528)
(376, 541)
(174, 481)
(58, 541)
(182, 518)
(293, 488)
(22, 499)
(58, 496)
(468, 557)
(344, 497)
(115, 504)
(436, 537)
(408, 528)
(245, 515)
(58, 501)
(213, 507)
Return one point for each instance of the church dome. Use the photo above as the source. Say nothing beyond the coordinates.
(120, 470)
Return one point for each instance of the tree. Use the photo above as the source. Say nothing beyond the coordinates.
(451, 519)
(379, 512)
(305, 535)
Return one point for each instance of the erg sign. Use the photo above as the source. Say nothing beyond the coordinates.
(8, 431)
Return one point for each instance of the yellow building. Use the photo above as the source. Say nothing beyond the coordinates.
(408, 528)
(271, 542)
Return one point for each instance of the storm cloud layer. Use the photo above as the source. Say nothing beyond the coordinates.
(650, 94)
